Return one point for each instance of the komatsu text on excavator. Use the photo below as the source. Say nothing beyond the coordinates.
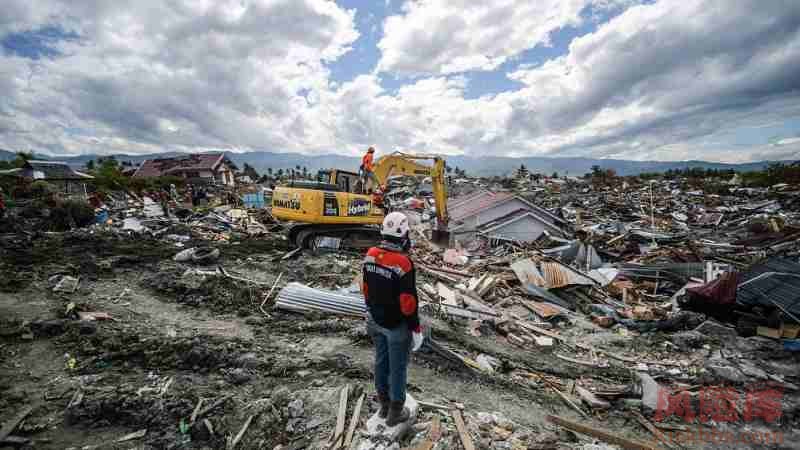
(340, 205)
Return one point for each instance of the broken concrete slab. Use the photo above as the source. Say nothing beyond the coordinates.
(66, 284)
(687, 340)
(724, 370)
(377, 433)
(487, 363)
(716, 329)
(650, 392)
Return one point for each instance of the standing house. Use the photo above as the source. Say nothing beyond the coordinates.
(213, 168)
(500, 216)
(59, 174)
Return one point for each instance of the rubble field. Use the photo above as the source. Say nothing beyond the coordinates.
(621, 327)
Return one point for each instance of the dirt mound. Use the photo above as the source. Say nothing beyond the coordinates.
(215, 292)
(118, 348)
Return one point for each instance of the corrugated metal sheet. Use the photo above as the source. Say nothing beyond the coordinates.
(759, 288)
(558, 275)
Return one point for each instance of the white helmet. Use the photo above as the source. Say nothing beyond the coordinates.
(396, 225)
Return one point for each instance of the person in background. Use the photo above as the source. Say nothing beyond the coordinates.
(390, 291)
(378, 199)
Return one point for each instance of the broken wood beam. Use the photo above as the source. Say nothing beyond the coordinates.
(210, 407)
(658, 434)
(354, 421)
(433, 406)
(590, 399)
(566, 399)
(241, 433)
(9, 427)
(433, 436)
(341, 417)
(466, 440)
(603, 435)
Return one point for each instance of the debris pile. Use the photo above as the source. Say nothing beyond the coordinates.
(563, 315)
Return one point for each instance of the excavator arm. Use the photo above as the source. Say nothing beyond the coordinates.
(404, 164)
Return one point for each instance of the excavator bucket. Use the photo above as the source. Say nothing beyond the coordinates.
(440, 238)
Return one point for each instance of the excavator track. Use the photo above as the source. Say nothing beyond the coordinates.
(354, 237)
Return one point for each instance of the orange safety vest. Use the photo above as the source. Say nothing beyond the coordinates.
(366, 161)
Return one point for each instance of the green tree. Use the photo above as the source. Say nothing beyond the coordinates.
(251, 172)
(269, 171)
(280, 173)
(555, 175)
(305, 172)
(90, 165)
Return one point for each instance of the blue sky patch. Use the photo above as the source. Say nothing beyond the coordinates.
(38, 43)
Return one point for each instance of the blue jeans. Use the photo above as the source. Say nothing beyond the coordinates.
(392, 349)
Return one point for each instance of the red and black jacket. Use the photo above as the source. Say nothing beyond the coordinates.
(390, 288)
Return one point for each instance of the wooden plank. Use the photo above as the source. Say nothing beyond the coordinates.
(591, 399)
(466, 440)
(605, 436)
(196, 411)
(241, 433)
(216, 403)
(354, 421)
(9, 427)
(433, 405)
(567, 400)
(651, 428)
(542, 310)
(341, 416)
(582, 362)
(433, 436)
(448, 295)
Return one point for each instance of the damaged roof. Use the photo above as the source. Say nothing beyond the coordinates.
(165, 166)
(777, 279)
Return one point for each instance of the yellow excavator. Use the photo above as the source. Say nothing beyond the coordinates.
(339, 204)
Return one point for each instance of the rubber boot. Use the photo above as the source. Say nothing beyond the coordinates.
(383, 399)
(398, 413)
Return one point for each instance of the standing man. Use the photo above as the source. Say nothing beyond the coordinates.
(390, 290)
(367, 167)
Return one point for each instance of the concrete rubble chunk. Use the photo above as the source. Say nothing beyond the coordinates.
(724, 370)
(650, 391)
(66, 284)
(687, 340)
(487, 363)
(377, 433)
(716, 329)
(295, 408)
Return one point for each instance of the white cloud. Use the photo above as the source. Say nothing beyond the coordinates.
(221, 74)
(444, 36)
(659, 81)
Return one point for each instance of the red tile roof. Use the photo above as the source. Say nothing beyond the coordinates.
(166, 166)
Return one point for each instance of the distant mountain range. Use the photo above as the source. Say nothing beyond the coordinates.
(488, 166)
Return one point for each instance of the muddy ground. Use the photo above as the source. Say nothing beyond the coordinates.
(180, 337)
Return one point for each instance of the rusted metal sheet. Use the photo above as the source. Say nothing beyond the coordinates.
(558, 275)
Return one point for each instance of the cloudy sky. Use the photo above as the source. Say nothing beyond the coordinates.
(644, 80)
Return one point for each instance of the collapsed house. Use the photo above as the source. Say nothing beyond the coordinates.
(211, 168)
(500, 216)
(59, 174)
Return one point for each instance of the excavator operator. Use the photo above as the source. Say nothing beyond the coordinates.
(367, 168)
